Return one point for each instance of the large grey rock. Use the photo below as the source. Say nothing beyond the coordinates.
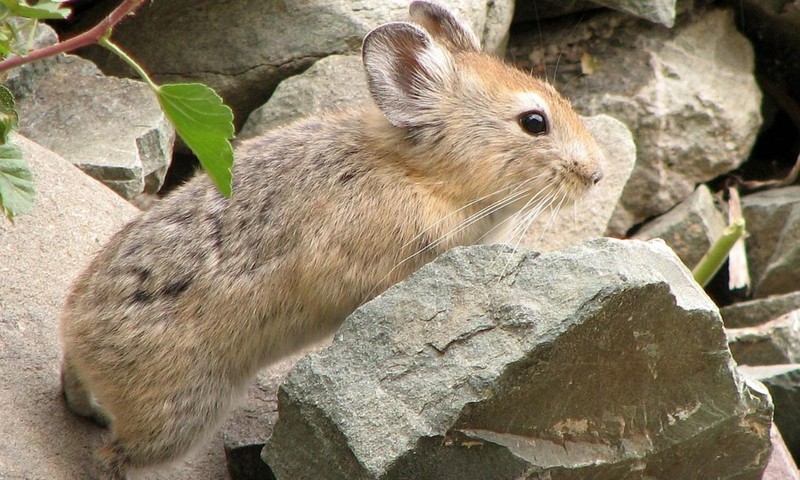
(40, 254)
(591, 215)
(245, 48)
(759, 310)
(334, 83)
(518, 365)
(772, 343)
(690, 228)
(773, 225)
(671, 87)
(783, 382)
(111, 128)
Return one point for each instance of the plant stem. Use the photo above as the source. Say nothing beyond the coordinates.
(716, 255)
(107, 43)
(86, 38)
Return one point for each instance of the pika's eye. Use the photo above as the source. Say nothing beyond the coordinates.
(533, 122)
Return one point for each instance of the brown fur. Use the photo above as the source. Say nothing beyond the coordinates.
(174, 317)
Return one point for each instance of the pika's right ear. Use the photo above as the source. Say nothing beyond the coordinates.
(407, 72)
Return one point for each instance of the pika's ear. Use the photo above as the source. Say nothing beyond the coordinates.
(407, 72)
(444, 27)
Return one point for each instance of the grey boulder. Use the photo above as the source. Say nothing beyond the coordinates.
(507, 365)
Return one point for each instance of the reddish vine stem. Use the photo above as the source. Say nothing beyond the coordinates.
(84, 39)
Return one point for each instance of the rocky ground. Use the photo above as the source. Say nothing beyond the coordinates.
(600, 359)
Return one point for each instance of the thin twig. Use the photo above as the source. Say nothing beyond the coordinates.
(86, 38)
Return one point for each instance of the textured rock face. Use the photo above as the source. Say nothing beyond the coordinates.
(111, 128)
(262, 43)
(773, 222)
(690, 228)
(507, 365)
(671, 87)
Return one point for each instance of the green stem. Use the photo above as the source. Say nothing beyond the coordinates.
(107, 43)
(711, 262)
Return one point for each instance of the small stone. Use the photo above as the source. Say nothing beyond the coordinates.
(773, 226)
(772, 343)
(507, 365)
(690, 229)
(113, 129)
(760, 310)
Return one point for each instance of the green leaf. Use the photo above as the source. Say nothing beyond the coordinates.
(205, 124)
(8, 114)
(43, 10)
(16, 182)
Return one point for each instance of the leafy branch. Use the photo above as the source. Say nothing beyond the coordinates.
(198, 114)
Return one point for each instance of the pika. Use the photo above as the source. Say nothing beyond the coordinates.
(174, 317)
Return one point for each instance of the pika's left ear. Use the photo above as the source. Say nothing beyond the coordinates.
(444, 27)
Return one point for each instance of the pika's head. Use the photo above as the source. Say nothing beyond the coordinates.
(479, 121)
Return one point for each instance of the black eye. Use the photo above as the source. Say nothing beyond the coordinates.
(533, 122)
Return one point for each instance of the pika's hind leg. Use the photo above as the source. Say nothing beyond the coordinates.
(79, 399)
(159, 425)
